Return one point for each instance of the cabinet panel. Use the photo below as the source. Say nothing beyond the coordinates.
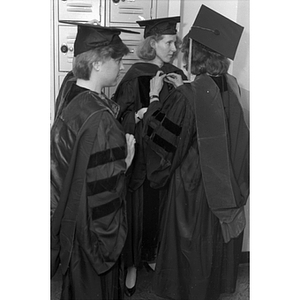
(111, 90)
(60, 80)
(131, 41)
(127, 12)
(108, 91)
(66, 37)
(125, 36)
(79, 10)
(119, 13)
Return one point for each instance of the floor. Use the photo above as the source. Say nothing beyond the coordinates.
(144, 289)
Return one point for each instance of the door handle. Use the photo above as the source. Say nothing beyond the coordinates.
(64, 48)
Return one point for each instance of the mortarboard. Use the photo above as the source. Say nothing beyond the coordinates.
(216, 32)
(160, 26)
(93, 35)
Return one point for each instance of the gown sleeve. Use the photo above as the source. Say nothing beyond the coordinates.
(104, 223)
(106, 171)
(65, 87)
(168, 134)
(125, 96)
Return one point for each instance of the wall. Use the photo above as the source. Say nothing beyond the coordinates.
(238, 11)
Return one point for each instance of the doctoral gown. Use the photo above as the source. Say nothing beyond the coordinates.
(196, 143)
(88, 213)
(142, 201)
(61, 100)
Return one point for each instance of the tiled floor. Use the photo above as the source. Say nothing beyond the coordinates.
(144, 288)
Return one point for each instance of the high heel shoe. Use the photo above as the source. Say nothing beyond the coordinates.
(129, 291)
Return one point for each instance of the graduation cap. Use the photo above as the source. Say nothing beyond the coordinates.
(160, 26)
(216, 32)
(93, 35)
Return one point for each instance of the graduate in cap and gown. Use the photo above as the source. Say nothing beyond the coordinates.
(157, 51)
(90, 154)
(197, 143)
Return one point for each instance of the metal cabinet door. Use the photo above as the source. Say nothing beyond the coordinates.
(66, 38)
(79, 10)
(127, 12)
(109, 91)
(131, 41)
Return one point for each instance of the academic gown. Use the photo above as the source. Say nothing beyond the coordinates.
(88, 223)
(61, 100)
(142, 201)
(197, 143)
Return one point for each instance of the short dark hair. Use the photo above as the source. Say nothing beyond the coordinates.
(204, 60)
(83, 62)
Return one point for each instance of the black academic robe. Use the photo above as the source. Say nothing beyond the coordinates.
(197, 144)
(61, 101)
(88, 223)
(142, 201)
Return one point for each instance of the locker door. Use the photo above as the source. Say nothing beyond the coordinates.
(66, 38)
(67, 35)
(131, 41)
(127, 12)
(111, 90)
(79, 10)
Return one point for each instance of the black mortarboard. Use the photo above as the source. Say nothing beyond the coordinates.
(90, 36)
(216, 32)
(160, 26)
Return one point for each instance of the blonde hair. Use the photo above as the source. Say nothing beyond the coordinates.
(145, 50)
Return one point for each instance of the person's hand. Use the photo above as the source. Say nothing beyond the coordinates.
(174, 79)
(140, 114)
(130, 140)
(156, 83)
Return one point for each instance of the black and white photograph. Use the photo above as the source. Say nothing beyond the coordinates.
(150, 150)
(148, 170)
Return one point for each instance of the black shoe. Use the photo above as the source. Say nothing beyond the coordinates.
(129, 291)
